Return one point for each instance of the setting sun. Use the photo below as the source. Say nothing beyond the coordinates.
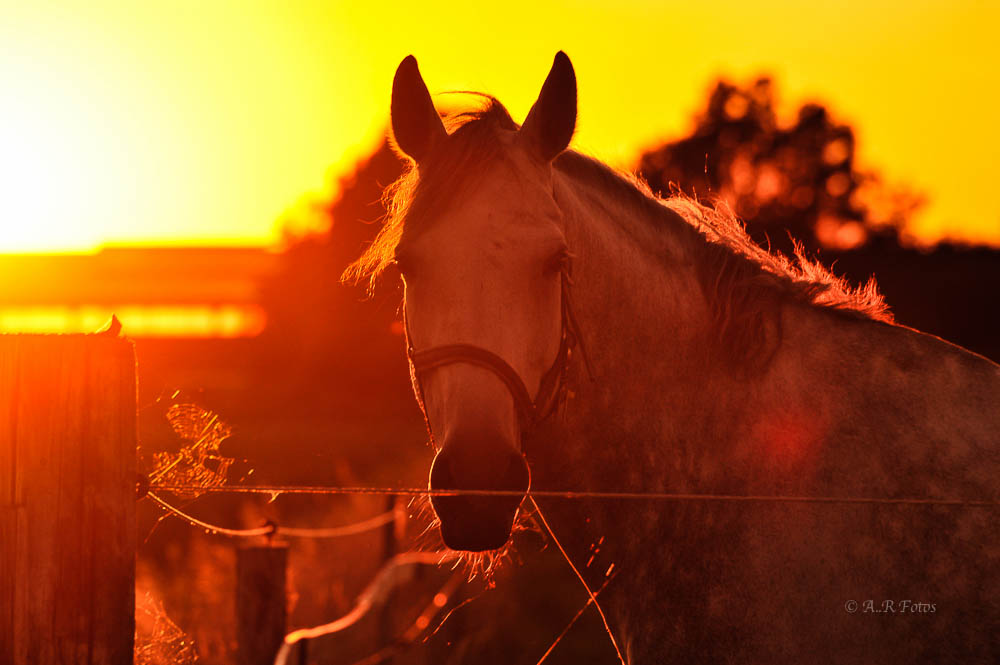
(59, 171)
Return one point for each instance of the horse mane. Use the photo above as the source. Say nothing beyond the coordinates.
(742, 282)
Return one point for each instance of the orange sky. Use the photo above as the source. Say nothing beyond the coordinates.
(208, 122)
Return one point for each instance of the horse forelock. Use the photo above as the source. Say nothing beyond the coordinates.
(473, 143)
(742, 282)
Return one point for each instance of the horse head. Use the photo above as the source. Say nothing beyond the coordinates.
(484, 265)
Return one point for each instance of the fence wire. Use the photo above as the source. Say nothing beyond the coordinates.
(274, 529)
(274, 490)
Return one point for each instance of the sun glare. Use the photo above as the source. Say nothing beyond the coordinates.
(138, 321)
(36, 156)
(62, 169)
(208, 123)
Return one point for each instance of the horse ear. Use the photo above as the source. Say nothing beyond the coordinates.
(416, 126)
(551, 121)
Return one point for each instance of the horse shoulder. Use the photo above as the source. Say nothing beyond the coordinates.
(889, 406)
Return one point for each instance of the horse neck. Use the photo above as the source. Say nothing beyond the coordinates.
(667, 412)
(643, 423)
(644, 322)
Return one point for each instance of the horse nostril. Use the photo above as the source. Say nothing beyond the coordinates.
(472, 521)
(505, 471)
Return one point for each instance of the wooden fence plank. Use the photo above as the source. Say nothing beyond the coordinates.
(67, 499)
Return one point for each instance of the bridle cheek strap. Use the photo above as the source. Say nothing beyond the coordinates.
(551, 387)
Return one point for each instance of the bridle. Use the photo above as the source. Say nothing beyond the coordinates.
(552, 389)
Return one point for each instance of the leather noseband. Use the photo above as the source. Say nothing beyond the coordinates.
(551, 388)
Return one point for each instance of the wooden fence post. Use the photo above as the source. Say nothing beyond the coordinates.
(67, 499)
(260, 602)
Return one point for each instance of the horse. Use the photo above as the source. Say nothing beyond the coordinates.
(822, 482)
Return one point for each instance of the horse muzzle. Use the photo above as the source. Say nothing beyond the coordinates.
(478, 522)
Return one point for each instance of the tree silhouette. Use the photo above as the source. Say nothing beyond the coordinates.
(800, 180)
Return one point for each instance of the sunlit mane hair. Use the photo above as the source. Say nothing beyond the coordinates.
(418, 192)
(742, 282)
